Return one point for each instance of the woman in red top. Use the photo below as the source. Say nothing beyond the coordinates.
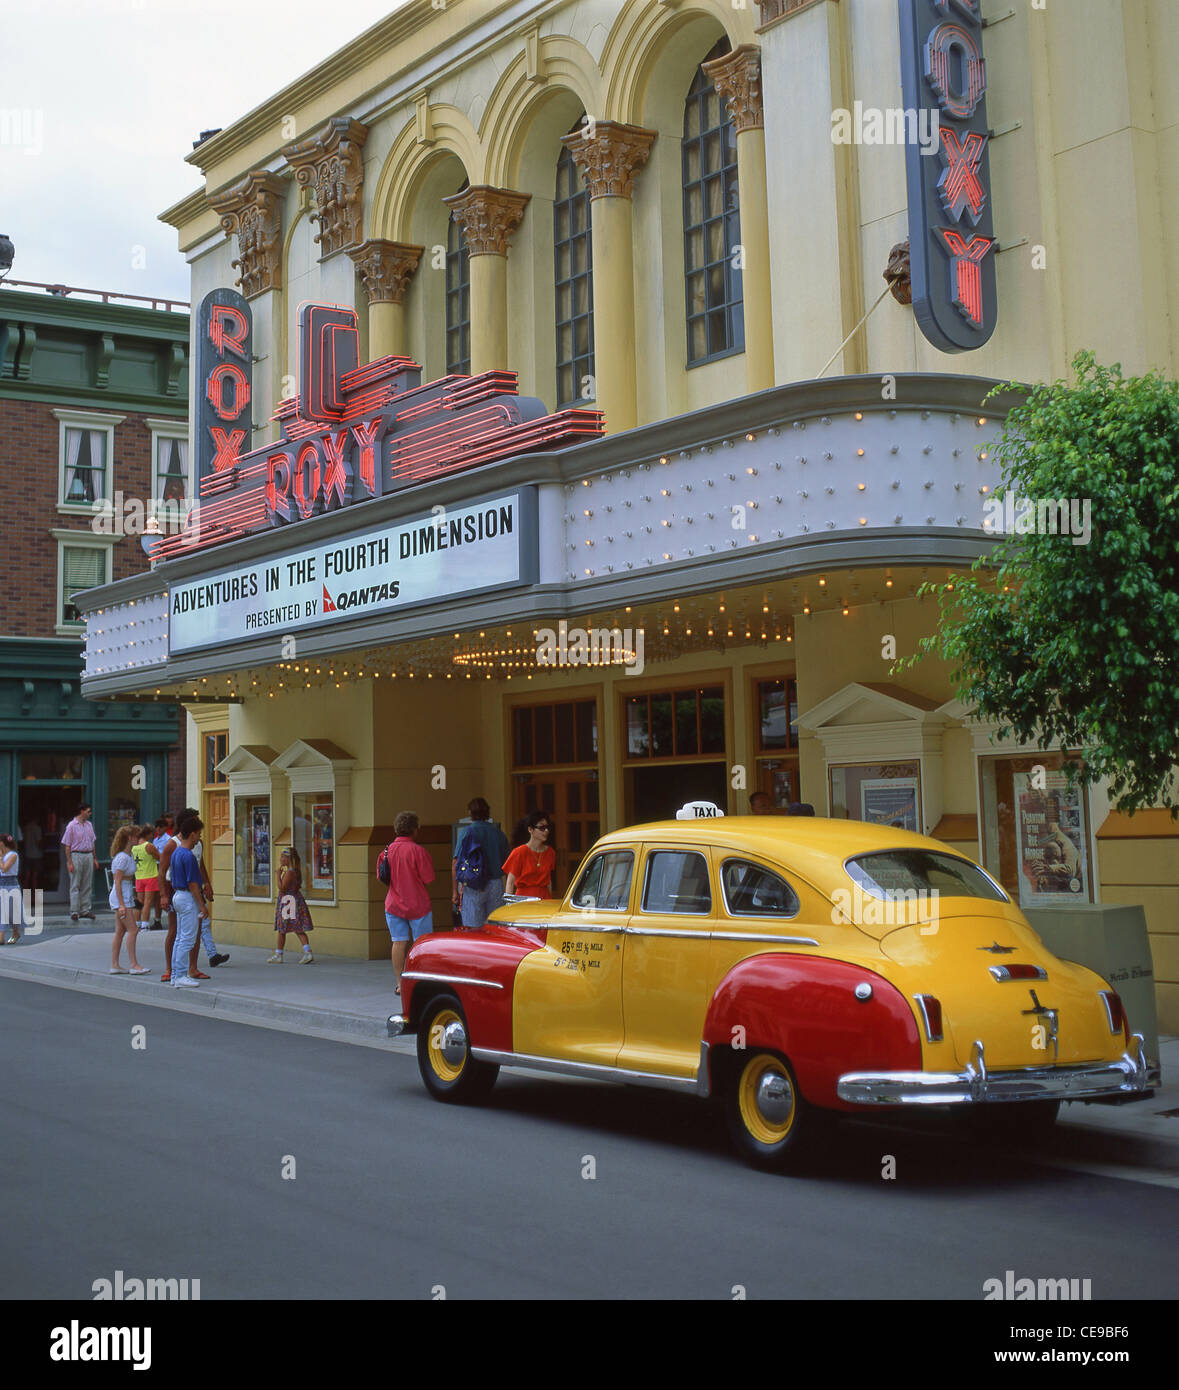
(529, 867)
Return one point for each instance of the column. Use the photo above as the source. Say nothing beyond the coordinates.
(488, 217)
(386, 268)
(737, 79)
(609, 156)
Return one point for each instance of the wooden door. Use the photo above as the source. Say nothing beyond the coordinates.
(571, 799)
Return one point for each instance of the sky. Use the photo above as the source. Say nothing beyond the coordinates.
(100, 100)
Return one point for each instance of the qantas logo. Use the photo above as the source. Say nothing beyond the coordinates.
(328, 605)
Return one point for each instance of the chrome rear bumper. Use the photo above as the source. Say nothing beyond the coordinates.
(977, 1085)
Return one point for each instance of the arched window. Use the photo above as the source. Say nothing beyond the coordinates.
(573, 271)
(458, 298)
(712, 223)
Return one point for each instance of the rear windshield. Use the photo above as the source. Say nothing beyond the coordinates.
(894, 873)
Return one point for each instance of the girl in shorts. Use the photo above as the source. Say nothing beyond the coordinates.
(147, 882)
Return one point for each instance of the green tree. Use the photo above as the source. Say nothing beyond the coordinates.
(1080, 642)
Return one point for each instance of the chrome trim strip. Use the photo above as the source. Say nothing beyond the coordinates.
(703, 1085)
(1103, 995)
(721, 935)
(591, 1070)
(977, 1085)
(449, 979)
(1002, 973)
(612, 929)
(930, 1035)
(763, 936)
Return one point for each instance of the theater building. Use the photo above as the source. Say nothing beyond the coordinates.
(574, 426)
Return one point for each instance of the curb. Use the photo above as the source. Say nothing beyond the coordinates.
(335, 1025)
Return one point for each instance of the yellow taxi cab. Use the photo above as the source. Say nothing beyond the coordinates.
(791, 967)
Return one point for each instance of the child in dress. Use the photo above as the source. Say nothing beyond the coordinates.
(291, 912)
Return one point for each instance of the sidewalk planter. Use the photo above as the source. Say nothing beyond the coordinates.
(1112, 940)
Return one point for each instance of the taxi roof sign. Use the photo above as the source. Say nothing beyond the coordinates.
(698, 810)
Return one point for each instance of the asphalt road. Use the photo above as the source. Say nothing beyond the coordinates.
(167, 1162)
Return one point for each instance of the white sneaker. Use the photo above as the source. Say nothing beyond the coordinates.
(275, 959)
(184, 982)
(306, 958)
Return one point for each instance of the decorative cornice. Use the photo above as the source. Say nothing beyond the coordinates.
(779, 9)
(737, 79)
(609, 156)
(253, 210)
(331, 165)
(386, 267)
(488, 217)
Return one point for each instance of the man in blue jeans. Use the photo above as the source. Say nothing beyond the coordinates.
(479, 901)
(188, 900)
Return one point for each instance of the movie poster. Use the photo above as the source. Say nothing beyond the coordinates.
(889, 801)
(323, 847)
(1050, 841)
(260, 847)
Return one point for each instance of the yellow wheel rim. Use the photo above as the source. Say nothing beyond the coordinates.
(437, 1045)
(765, 1095)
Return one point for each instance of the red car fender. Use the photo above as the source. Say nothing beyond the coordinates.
(490, 954)
(806, 1008)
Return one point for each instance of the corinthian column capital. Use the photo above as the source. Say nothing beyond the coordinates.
(609, 156)
(737, 79)
(488, 217)
(331, 164)
(252, 210)
(386, 267)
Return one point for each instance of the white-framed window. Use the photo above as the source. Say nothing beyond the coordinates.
(85, 458)
(83, 562)
(171, 479)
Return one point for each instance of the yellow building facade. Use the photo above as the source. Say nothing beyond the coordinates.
(786, 456)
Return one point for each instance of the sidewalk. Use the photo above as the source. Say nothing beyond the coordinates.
(349, 1001)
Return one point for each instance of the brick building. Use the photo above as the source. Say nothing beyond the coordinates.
(93, 440)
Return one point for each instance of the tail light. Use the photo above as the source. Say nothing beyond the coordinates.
(931, 1014)
(1115, 1011)
(1018, 972)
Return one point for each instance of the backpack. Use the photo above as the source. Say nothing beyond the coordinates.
(471, 870)
(383, 866)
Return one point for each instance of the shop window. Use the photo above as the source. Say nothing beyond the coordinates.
(550, 735)
(126, 783)
(82, 564)
(313, 835)
(1035, 830)
(320, 777)
(573, 282)
(712, 223)
(254, 798)
(251, 846)
(881, 793)
(458, 298)
(676, 723)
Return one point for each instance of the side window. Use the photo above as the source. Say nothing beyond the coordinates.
(606, 882)
(751, 891)
(677, 881)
